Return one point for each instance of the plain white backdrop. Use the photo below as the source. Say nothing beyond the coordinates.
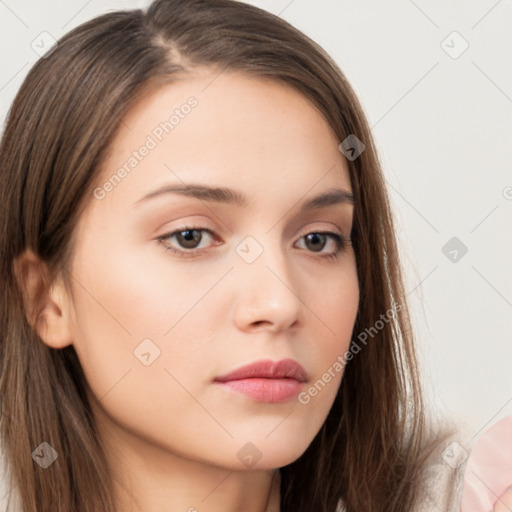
(435, 80)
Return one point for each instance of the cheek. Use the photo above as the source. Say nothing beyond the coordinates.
(149, 341)
(333, 308)
(132, 315)
(333, 311)
(125, 322)
(145, 357)
(132, 322)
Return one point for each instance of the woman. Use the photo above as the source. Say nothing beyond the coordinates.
(203, 305)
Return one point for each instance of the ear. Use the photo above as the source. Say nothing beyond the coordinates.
(47, 305)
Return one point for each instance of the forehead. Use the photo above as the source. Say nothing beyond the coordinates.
(226, 129)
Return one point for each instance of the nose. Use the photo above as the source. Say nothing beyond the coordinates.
(268, 294)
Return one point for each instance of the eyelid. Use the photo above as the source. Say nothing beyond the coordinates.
(341, 241)
(204, 225)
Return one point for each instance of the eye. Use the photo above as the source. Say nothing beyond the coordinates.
(188, 238)
(317, 240)
(188, 241)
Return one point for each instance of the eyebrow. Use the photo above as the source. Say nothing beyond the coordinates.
(230, 196)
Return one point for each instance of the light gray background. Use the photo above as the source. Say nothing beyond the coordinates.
(442, 125)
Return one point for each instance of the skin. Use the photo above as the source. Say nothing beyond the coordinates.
(172, 435)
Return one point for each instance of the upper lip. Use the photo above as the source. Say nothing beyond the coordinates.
(267, 369)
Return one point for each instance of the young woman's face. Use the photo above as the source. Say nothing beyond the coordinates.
(173, 291)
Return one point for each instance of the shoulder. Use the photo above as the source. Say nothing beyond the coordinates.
(441, 492)
(442, 474)
(443, 478)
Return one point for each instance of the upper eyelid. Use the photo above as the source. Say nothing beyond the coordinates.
(214, 234)
(342, 238)
(332, 215)
(341, 242)
(207, 226)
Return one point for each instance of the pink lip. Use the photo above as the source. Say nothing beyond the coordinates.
(267, 381)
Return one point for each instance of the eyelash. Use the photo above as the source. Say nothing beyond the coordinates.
(341, 242)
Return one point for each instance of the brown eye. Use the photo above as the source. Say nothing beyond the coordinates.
(185, 242)
(189, 238)
(315, 241)
(318, 241)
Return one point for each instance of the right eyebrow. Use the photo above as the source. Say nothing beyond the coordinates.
(206, 193)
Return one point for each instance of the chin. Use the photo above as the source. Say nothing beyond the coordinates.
(268, 453)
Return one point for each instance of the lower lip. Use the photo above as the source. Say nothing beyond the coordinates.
(266, 390)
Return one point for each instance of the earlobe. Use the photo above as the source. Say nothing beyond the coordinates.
(46, 305)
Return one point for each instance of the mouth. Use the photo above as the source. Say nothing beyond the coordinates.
(266, 381)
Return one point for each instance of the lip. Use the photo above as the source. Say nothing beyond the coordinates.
(266, 380)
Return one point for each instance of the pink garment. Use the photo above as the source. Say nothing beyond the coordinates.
(489, 468)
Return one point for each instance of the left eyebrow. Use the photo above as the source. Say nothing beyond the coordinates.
(230, 196)
(329, 198)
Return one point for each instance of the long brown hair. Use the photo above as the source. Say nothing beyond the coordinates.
(371, 451)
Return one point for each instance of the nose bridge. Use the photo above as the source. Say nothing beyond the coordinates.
(269, 291)
(266, 257)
